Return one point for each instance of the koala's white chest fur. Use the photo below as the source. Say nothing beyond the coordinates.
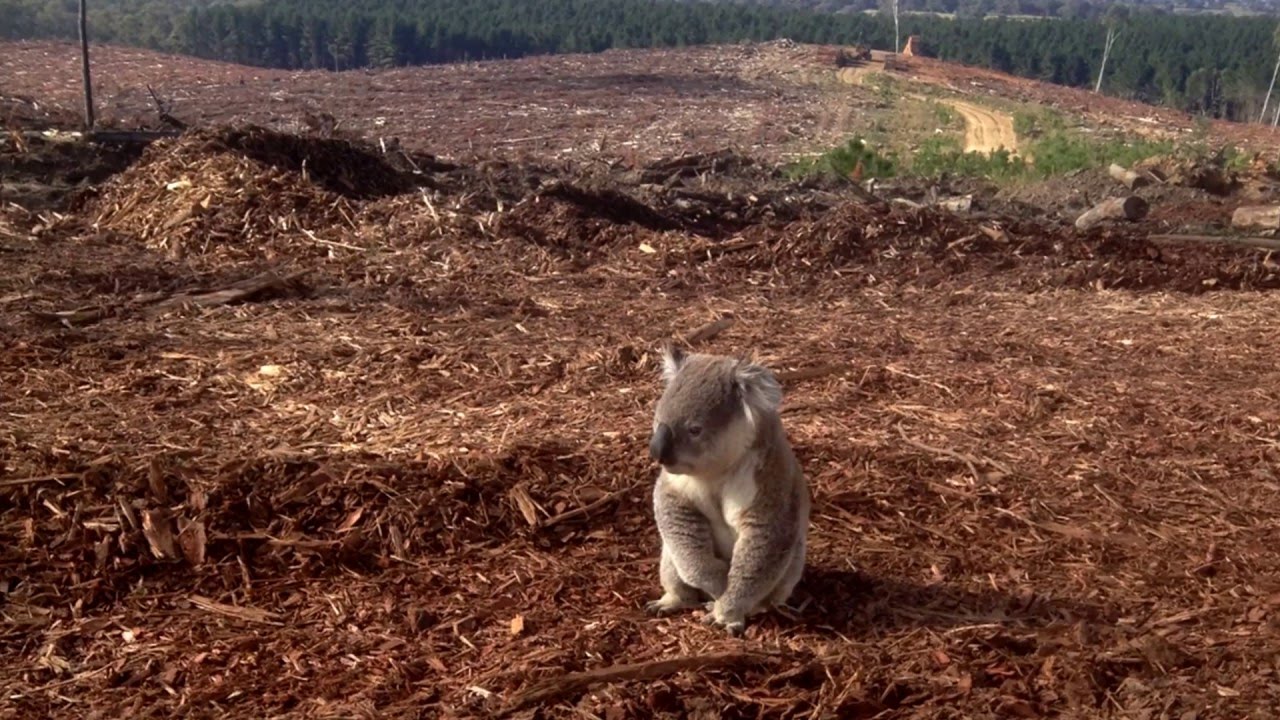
(722, 503)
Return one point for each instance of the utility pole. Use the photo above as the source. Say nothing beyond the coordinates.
(84, 67)
(896, 39)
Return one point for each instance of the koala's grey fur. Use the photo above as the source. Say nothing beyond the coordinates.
(731, 501)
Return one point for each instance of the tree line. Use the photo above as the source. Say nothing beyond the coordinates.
(1077, 9)
(1211, 65)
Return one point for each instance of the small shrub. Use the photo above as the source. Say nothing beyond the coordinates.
(1236, 159)
(842, 161)
(1057, 150)
(944, 155)
(884, 87)
(1061, 152)
(1025, 124)
(1033, 123)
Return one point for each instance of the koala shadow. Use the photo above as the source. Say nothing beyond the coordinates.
(851, 602)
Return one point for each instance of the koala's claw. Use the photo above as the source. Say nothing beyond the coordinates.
(715, 616)
(788, 609)
(666, 605)
(655, 607)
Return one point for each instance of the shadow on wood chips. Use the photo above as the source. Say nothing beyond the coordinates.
(294, 427)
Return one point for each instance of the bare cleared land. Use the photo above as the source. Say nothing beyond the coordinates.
(622, 104)
(292, 426)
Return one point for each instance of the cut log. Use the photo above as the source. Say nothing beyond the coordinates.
(1259, 217)
(961, 204)
(1269, 244)
(1128, 178)
(1130, 207)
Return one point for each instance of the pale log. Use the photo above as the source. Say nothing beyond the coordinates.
(1129, 208)
(1257, 217)
(1128, 178)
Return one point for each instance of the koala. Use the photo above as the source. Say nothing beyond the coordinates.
(731, 501)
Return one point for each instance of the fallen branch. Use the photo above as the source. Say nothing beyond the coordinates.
(19, 482)
(71, 318)
(812, 373)
(16, 297)
(585, 509)
(239, 291)
(556, 687)
(968, 460)
(332, 243)
(232, 611)
(1248, 241)
(733, 246)
(710, 330)
(156, 303)
(163, 108)
(131, 137)
(895, 371)
(1077, 533)
(121, 137)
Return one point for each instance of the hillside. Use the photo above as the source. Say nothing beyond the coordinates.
(771, 100)
(336, 403)
(1212, 66)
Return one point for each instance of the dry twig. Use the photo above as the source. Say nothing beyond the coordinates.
(969, 461)
(709, 331)
(556, 687)
(254, 615)
(19, 482)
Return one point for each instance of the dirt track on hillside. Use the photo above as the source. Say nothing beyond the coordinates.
(986, 130)
(857, 75)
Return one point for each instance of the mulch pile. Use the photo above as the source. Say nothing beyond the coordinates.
(404, 476)
(214, 192)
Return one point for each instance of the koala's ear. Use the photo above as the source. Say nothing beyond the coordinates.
(760, 389)
(673, 358)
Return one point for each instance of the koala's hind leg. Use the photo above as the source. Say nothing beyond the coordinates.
(677, 594)
(795, 569)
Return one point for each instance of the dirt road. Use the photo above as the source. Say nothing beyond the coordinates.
(986, 130)
(857, 74)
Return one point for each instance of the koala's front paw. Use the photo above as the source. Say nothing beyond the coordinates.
(667, 604)
(733, 621)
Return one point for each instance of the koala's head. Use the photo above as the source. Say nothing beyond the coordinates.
(709, 412)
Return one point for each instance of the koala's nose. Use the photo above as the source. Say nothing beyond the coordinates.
(662, 444)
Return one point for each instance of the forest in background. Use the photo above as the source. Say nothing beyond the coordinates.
(1077, 9)
(1216, 66)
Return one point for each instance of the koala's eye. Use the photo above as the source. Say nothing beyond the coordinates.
(695, 430)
